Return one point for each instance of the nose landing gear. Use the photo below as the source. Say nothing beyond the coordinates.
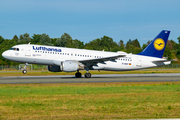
(25, 71)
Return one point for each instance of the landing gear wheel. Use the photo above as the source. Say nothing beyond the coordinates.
(78, 74)
(24, 71)
(87, 75)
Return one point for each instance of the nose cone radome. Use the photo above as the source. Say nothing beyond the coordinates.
(5, 54)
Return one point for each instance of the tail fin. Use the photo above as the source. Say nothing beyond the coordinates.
(157, 46)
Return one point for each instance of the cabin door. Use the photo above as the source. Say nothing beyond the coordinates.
(28, 50)
(139, 62)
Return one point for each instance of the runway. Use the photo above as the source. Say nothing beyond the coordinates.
(94, 79)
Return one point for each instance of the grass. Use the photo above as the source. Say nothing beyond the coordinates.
(90, 100)
(44, 73)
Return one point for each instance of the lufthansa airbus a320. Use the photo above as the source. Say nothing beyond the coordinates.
(70, 59)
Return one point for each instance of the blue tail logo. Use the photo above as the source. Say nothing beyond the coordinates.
(157, 46)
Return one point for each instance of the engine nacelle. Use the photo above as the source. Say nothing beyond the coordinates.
(66, 66)
(69, 66)
(54, 68)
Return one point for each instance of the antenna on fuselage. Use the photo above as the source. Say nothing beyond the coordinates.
(29, 43)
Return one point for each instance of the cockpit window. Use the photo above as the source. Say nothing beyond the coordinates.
(16, 49)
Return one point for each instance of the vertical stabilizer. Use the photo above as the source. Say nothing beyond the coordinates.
(157, 46)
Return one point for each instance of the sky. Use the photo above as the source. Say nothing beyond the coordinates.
(87, 20)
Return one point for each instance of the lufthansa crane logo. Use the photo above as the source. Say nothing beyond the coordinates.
(159, 44)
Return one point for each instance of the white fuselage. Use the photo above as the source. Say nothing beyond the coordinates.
(50, 55)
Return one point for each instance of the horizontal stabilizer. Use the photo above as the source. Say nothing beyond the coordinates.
(161, 61)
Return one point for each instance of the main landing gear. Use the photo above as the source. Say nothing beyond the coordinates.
(78, 74)
(87, 75)
(25, 71)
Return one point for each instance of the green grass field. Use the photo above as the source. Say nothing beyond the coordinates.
(90, 100)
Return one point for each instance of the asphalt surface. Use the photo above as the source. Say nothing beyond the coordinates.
(93, 79)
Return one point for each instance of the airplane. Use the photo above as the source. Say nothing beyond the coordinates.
(65, 59)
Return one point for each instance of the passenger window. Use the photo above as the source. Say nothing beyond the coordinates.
(17, 49)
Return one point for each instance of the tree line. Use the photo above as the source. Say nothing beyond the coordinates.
(172, 50)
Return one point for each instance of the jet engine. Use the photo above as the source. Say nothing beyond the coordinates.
(54, 68)
(66, 66)
(69, 66)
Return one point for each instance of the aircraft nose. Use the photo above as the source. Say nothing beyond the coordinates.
(4, 54)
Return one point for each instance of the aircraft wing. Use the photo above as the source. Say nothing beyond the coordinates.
(91, 62)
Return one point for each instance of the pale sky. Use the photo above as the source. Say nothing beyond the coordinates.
(87, 20)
